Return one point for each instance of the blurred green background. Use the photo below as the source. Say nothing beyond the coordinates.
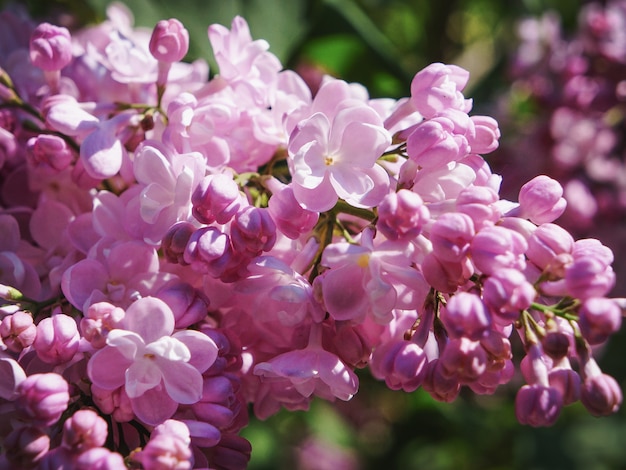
(382, 44)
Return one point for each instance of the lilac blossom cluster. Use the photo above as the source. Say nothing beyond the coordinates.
(174, 248)
(575, 84)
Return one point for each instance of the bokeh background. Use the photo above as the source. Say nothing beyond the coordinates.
(382, 44)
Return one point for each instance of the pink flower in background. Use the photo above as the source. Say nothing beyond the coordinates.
(158, 368)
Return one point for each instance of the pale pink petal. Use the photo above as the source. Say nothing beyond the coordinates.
(11, 375)
(107, 368)
(143, 375)
(128, 343)
(344, 296)
(128, 259)
(151, 165)
(154, 406)
(182, 381)
(101, 153)
(81, 279)
(150, 318)
(203, 349)
(320, 199)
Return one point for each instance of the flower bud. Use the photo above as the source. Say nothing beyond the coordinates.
(401, 364)
(465, 315)
(49, 152)
(187, 303)
(547, 244)
(463, 359)
(495, 248)
(99, 458)
(451, 235)
(57, 339)
(84, 430)
(216, 198)
(25, 446)
(43, 398)
(507, 292)
(601, 395)
(18, 331)
(538, 405)
(599, 318)
(402, 215)
(50, 47)
(438, 87)
(541, 200)
(290, 217)
(175, 242)
(169, 41)
(99, 319)
(253, 231)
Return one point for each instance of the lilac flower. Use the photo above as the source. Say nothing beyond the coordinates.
(158, 369)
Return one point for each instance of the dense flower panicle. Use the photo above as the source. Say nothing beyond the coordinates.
(174, 249)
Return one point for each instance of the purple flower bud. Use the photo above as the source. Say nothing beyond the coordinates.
(495, 248)
(479, 202)
(567, 382)
(599, 318)
(216, 198)
(253, 231)
(175, 242)
(166, 450)
(541, 200)
(402, 215)
(99, 458)
(113, 402)
(169, 41)
(451, 235)
(434, 143)
(538, 405)
(555, 344)
(465, 315)
(49, 152)
(50, 47)
(290, 217)
(487, 135)
(546, 244)
(18, 331)
(444, 276)
(601, 395)
(463, 359)
(441, 386)
(57, 339)
(438, 87)
(507, 292)
(84, 430)
(209, 251)
(43, 398)
(187, 303)
(99, 319)
(589, 277)
(25, 446)
(401, 364)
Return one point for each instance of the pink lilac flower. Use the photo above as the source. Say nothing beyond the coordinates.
(158, 369)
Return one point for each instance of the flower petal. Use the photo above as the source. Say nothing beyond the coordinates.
(154, 406)
(203, 349)
(143, 375)
(107, 368)
(151, 318)
(182, 381)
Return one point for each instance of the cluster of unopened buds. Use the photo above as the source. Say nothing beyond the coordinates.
(174, 248)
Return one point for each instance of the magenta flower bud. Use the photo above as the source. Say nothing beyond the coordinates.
(443, 276)
(99, 319)
(84, 430)
(589, 277)
(113, 402)
(601, 395)
(25, 446)
(487, 135)
(165, 451)
(216, 198)
(555, 344)
(209, 251)
(57, 339)
(18, 331)
(465, 315)
(567, 382)
(451, 235)
(175, 242)
(541, 200)
(169, 41)
(187, 303)
(401, 364)
(599, 318)
(49, 152)
(253, 231)
(463, 359)
(538, 405)
(438, 87)
(99, 458)
(50, 47)
(402, 215)
(43, 398)
(479, 202)
(495, 248)
(439, 385)
(290, 217)
(548, 242)
(507, 292)
(433, 143)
